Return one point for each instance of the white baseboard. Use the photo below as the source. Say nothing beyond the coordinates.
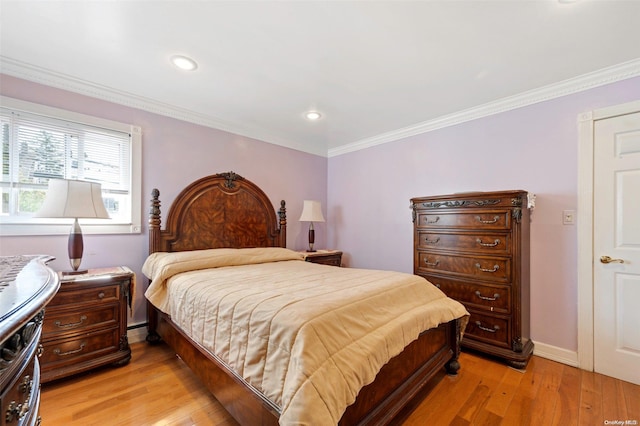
(554, 353)
(137, 333)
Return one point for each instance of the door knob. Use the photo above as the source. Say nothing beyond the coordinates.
(607, 259)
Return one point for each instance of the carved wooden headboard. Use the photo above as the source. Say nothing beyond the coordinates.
(217, 211)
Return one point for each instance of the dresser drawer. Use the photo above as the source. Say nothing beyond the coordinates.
(60, 321)
(21, 401)
(492, 298)
(490, 329)
(477, 267)
(87, 295)
(72, 351)
(478, 220)
(484, 243)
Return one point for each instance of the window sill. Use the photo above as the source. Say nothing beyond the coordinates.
(7, 230)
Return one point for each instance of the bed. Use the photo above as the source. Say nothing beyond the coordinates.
(224, 217)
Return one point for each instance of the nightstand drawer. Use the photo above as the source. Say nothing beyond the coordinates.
(333, 260)
(82, 295)
(324, 257)
(57, 353)
(64, 321)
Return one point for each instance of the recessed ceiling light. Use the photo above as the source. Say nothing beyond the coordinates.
(313, 115)
(184, 63)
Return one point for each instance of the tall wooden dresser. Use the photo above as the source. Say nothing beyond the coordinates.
(26, 286)
(475, 248)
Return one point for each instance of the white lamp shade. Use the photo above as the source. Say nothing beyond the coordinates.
(73, 199)
(311, 212)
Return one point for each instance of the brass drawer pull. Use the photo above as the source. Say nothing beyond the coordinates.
(426, 262)
(490, 330)
(75, 351)
(101, 295)
(16, 411)
(495, 268)
(26, 385)
(496, 296)
(71, 324)
(432, 221)
(488, 222)
(428, 241)
(24, 410)
(493, 244)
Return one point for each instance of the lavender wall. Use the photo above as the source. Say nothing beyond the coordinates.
(368, 216)
(174, 153)
(534, 148)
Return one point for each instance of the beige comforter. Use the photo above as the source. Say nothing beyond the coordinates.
(307, 336)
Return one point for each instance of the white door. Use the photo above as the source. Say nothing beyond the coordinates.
(616, 247)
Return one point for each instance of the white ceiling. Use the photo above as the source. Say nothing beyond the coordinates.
(377, 71)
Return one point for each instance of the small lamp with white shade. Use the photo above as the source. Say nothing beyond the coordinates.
(74, 199)
(311, 212)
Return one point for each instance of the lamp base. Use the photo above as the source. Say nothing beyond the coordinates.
(75, 248)
(312, 237)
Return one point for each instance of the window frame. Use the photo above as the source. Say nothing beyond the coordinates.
(41, 226)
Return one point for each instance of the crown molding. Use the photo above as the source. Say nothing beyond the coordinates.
(50, 78)
(581, 83)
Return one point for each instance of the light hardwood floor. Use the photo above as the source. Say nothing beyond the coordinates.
(157, 389)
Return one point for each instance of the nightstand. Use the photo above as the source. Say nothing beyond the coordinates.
(325, 257)
(86, 323)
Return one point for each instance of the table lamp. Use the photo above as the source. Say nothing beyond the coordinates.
(75, 199)
(311, 212)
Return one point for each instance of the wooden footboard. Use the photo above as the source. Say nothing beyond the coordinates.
(404, 376)
(395, 386)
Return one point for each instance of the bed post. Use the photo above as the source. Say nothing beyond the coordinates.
(154, 242)
(282, 214)
(154, 222)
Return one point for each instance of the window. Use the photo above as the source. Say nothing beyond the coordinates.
(39, 143)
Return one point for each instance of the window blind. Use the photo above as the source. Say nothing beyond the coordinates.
(36, 148)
